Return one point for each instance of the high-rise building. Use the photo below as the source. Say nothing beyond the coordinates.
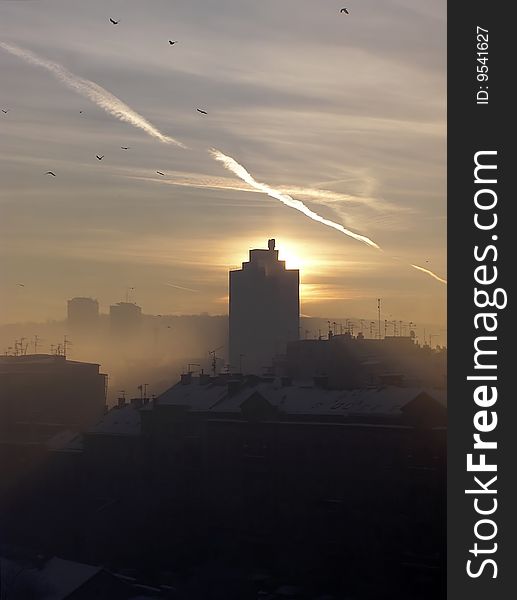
(83, 314)
(125, 319)
(264, 310)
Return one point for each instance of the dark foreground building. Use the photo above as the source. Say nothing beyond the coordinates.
(38, 390)
(42, 397)
(264, 310)
(333, 491)
(350, 362)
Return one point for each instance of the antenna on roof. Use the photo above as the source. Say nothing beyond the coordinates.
(379, 316)
(66, 343)
(215, 358)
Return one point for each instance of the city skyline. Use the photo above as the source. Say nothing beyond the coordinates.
(370, 155)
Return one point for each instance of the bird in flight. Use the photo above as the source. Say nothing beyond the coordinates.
(125, 147)
(50, 173)
(21, 284)
(203, 112)
(99, 157)
(344, 10)
(172, 42)
(80, 112)
(160, 173)
(113, 21)
(5, 111)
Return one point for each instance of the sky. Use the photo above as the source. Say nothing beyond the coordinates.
(345, 113)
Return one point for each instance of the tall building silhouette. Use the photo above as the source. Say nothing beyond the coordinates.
(125, 319)
(83, 315)
(264, 310)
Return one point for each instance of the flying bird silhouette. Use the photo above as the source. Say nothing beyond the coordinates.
(5, 111)
(344, 10)
(125, 147)
(113, 21)
(50, 173)
(171, 42)
(160, 173)
(80, 112)
(21, 284)
(203, 112)
(99, 157)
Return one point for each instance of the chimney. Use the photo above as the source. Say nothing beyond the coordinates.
(204, 378)
(137, 402)
(271, 244)
(186, 378)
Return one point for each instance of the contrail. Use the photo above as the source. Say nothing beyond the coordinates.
(97, 94)
(115, 107)
(434, 275)
(180, 287)
(233, 166)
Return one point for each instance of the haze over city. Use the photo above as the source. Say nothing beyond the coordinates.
(223, 337)
(330, 109)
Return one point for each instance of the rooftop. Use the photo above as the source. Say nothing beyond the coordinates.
(301, 398)
(124, 420)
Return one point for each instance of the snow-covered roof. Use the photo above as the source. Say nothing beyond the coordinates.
(123, 420)
(65, 576)
(194, 396)
(298, 399)
(66, 441)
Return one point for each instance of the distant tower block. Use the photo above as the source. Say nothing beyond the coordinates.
(83, 315)
(264, 309)
(125, 320)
